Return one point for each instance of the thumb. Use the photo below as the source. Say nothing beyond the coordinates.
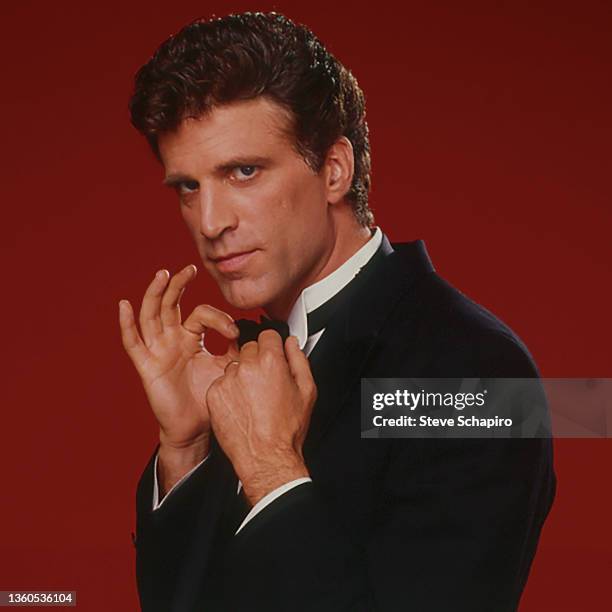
(233, 352)
(300, 368)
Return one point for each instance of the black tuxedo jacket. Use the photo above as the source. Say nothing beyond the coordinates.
(415, 525)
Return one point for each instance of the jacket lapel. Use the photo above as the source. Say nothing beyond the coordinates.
(340, 356)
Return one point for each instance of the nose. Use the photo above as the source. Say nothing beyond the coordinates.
(216, 212)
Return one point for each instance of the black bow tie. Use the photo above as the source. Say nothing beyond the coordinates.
(250, 330)
(316, 321)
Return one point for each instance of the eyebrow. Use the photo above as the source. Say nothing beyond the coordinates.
(175, 179)
(242, 161)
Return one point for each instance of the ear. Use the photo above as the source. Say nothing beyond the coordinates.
(339, 169)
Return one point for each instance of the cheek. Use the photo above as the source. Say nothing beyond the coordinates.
(192, 223)
(189, 217)
(303, 198)
(308, 214)
(300, 235)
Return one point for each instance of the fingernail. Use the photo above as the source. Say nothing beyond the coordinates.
(234, 329)
(161, 273)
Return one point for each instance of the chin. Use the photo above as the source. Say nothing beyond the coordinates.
(246, 295)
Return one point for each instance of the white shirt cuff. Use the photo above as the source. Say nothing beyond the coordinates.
(266, 500)
(178, 483)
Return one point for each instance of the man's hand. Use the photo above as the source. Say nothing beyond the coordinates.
(260, 411)
(175, 368)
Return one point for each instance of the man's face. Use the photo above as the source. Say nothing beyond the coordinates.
(257, 212)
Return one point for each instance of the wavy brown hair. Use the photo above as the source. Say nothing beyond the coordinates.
(239, 57)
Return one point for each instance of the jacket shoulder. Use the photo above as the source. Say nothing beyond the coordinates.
(453, 335)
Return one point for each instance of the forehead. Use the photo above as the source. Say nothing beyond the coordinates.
(237, 130)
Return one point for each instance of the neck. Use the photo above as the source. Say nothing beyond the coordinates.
(347, 237)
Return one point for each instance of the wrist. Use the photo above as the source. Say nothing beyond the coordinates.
(175, 460)
(185, 448)
(264, 477)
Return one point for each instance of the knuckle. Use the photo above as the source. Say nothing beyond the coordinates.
(269, 359)
(231, 368)
(245, 370)
(247, 347)
(202, 310)
(312, 392)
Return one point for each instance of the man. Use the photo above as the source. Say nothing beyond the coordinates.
(262, 494)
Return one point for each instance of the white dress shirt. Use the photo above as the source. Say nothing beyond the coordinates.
(311, 298)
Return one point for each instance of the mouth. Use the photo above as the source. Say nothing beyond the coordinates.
(232, 262)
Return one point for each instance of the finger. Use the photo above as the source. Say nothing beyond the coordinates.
(132, 342)
(150, 323)
(233, 352)
(231, 367)
(170, 309)
(249, 351)
(300, 367)
(205, 317)
(270, 340)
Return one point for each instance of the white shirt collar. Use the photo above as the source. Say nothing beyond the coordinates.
(317, 294)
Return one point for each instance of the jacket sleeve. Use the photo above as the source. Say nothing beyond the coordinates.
(454, 528)
(175, 542)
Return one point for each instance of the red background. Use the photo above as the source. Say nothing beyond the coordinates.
(491, 139)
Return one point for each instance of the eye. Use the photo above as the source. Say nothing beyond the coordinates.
(243, 173)
(186, 187)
